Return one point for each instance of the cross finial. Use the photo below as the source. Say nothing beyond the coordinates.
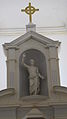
(29, 10)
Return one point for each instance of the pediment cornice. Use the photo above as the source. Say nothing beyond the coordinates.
(35, 36)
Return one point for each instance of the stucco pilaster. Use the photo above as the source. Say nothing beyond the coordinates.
(11, 67)
(54, 68)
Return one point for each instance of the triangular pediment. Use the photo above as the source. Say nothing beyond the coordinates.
(35, 36)
(34, 113)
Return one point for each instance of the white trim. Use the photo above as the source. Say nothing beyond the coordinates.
(41, 30)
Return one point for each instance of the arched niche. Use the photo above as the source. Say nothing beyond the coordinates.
(40, 62)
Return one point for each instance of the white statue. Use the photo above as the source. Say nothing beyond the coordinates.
(34, 75)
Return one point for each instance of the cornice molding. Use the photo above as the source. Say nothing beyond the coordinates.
(9, 91)
(60, 89)
(41, 30)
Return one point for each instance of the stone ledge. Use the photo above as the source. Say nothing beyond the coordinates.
(34, 97)
(9, 91)
(43, 30)
(60, 89)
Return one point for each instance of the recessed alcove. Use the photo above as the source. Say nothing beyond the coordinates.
(40, 62)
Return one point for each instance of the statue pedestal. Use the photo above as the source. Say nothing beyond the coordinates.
(34, 98)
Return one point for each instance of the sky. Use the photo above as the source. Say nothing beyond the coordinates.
(52, 15)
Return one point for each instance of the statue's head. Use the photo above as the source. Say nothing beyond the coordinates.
(32, 62)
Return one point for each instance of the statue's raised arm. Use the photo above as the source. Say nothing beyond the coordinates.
(23, 59)
(42, 77)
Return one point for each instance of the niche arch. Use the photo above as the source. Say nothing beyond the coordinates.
(40, 62)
